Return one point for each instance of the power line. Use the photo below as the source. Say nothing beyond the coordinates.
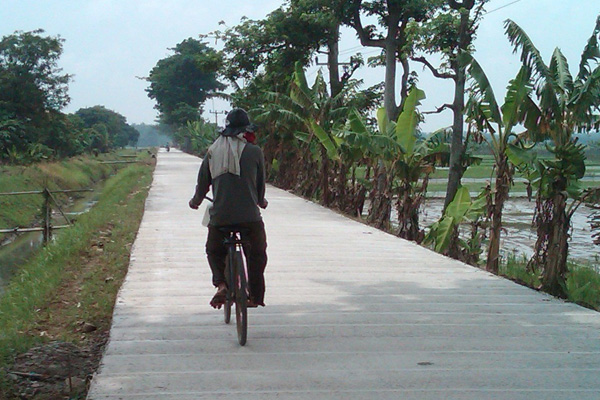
(351, 49)
(501, 7)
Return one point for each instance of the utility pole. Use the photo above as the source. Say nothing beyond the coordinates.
(345, 64)
(217, 112)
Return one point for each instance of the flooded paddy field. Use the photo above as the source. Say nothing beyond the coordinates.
(519, 236)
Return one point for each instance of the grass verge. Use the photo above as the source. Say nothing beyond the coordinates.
(582, 284)
(67, 292)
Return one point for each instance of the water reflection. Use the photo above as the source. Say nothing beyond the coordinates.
(15, 252)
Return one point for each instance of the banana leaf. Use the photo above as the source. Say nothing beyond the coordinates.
(460, 205)
(519, 156)
(408, 120)
(382, 121)
(443, 233)
(325, 139)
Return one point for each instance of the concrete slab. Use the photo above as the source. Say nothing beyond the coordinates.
(352, 313)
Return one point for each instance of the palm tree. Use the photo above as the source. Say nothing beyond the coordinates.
(564, 106)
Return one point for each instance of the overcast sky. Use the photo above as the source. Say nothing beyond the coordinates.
(108, 43)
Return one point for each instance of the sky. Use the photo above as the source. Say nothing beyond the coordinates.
(109, 44)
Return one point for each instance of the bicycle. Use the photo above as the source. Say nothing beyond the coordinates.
(237, 282)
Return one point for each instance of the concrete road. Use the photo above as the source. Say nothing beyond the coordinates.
(352, 313)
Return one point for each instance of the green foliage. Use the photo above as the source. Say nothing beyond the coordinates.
(182, 82)
(563, 106)
(562, 172)
(325, 139)
(32, 92)
(461, 209)
(406, 126)
(394, 37)
(583, 285)
(30, 80)
(196, 136)
(398, 153)
(318, 116)
(515, 268)
(272, 46)
(104, 129)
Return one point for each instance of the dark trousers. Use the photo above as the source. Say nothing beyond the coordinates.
(255, 251)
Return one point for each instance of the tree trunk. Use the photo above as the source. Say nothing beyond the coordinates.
(381, 201)
(362, 194)
(325, 198)
(502, 187)
(391, 45)
(403, 82)
(555, 268)
(457, 148)
(407, 207)
(333, 63)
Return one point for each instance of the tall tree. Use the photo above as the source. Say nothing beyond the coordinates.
(394, 16)
(32, 83)
(33, 90)
(268, 49)
(451, 33)
(181, 83)
(262, 59)
(326, 17)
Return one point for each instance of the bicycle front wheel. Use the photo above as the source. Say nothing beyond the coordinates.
(241, 299)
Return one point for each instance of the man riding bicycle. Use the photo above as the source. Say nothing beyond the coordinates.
(234, 167)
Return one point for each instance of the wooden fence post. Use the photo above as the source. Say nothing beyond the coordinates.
(47, 214)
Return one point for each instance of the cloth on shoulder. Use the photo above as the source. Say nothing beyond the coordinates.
(224, 155)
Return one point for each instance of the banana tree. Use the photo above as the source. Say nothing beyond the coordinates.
(196, 136)
(443, 234)
(376, 150)
(401, 165)
(499, 123)
(317, 117)
(563, 105)
(415, 162)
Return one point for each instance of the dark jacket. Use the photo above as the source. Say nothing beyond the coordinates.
(236, 198)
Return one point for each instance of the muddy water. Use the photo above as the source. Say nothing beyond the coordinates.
(519, 236)
(14, 253)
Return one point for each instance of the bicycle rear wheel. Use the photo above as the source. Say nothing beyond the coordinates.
(241, 299)
(229, 300)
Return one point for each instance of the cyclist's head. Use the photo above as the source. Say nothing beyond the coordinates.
(237, 121)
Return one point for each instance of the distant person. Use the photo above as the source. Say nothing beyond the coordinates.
(168, 147)
(234, 167)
